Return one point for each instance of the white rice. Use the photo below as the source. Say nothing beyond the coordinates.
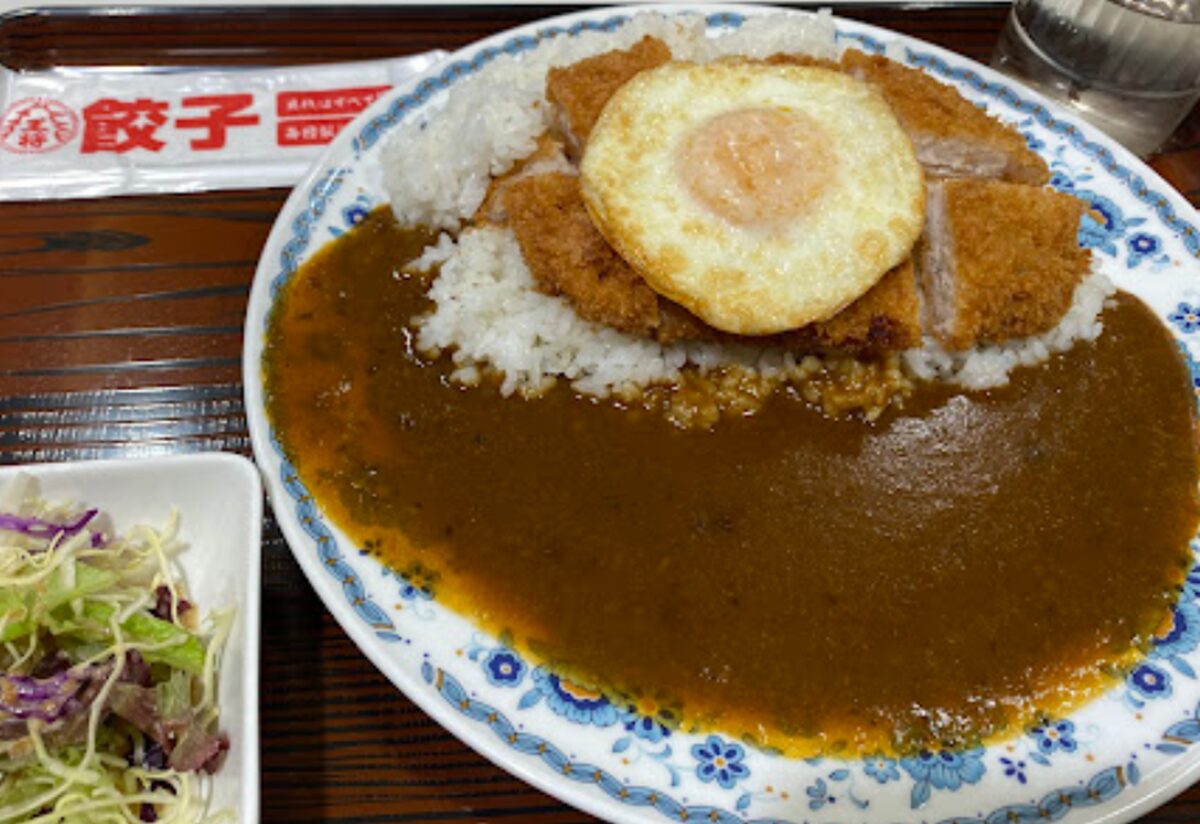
(489, 313)
(434, 254)
(761, 36)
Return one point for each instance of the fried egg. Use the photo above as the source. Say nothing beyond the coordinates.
(760, 197)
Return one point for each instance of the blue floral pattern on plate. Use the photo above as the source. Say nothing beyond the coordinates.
(881, 768)
(573, 701)
(720, 761)
(942, 770)
(504, 668)
(605, 755)
(1186, 317)
(645, 727)
(1055, 736)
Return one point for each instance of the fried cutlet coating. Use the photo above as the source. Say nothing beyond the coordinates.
(886, 318)
(1011, 259)
(676, 324)
(580, 90)
(789, 59)
(568, 256)
(953, 137)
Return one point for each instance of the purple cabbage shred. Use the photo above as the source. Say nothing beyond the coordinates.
(46, 699)
(58, 697)
(37, 528)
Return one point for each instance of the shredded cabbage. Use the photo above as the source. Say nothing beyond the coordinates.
(108, 707)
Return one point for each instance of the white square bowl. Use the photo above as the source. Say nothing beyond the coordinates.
(219, 500)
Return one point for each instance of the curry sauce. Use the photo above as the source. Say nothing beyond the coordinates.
(941, 576)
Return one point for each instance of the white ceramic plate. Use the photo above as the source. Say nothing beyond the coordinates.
(219, 500)
(1116, 758)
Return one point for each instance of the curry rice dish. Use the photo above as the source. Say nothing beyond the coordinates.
(954, 570)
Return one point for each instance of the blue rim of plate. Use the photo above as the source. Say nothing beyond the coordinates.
(1103, 786)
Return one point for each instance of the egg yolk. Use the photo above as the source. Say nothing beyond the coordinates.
(756, 168)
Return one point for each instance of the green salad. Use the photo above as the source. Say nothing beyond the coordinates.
(108, 704)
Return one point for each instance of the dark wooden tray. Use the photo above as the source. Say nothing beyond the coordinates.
(120, 334)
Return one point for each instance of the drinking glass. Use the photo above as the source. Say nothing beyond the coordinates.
(1131, 67)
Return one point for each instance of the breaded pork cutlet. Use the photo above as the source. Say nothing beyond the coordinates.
(579, 91)
(952, 136)
(999, 260)
(885, 319)
(568, 256)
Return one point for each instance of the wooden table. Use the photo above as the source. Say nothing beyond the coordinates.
(121, 333)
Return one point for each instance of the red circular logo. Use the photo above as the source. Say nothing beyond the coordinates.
(37, 124)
